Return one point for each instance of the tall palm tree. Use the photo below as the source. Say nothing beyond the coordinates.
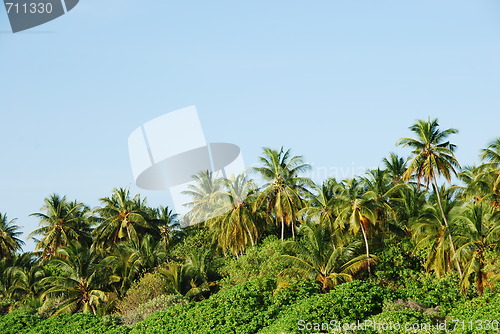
(433, 157)
(357, 211)
(121, 218)
(284, 186)
(479, 232)
(62, 222)
(80, 283)
(234, 224)
(9, 241)
(317, 257)
(434, 237)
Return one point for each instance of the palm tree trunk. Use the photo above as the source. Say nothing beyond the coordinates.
(367, 248)
(282, 229)
(293, 230)
(445, 220)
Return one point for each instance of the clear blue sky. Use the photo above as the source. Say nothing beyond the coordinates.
(337, 81)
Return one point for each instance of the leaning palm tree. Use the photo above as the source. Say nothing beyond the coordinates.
(433, 157)
(9, 241)
(317, 257)
(121, 218)
(61, 222)
(479, 232)
(284, 188)
(80, 283)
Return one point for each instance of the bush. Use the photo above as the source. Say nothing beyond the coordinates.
(141, 292)
(395, 321)
(82, 323)
(260, 261)
(17, 323)
(481, 311)
(347, 302)
(243, 309)
(432, 292)
(143, 311)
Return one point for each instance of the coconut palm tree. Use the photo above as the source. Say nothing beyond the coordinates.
(357, 212)
(284, 188)
(321, 206)
(121, 218)
(234, 225)
(434, 237)
(395, 167)
(9, 241)
(206, 193)
(61, 222)
(433, 157)
(80, 283)
(317, 257)
(165, 223)
(479, 232)
(491, 154)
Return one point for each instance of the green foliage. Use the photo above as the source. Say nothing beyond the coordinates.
(17, 323)
(242, 309)
(290, 293)
(347, 302)
(481, 311)
(150, 307)
(396, 262)
(396, 321)
(150, 286)
(432, 292)
(262, 261)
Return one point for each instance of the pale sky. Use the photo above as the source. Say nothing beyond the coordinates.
(337, 81)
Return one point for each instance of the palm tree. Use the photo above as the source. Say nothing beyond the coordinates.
(357, 211)
(80, 283)
(432, 157)
(317, 257)
(234, 225)
(9, 241)
(121, 218)
(206, 194)
(165, 222)
(61, 223)
(434, 237)
(321, 207)
(395, 167)
(491, 154)
(479, 232)
(284, 187)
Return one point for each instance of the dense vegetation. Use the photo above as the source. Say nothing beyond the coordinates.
(415, 241)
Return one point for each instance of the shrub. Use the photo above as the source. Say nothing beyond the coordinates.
(243, 309)
(260, 261)
(141, 292)
(347, 302)
(147, 309)
(82, 323)
(17, 323)
(432, 292)
(479, 312)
